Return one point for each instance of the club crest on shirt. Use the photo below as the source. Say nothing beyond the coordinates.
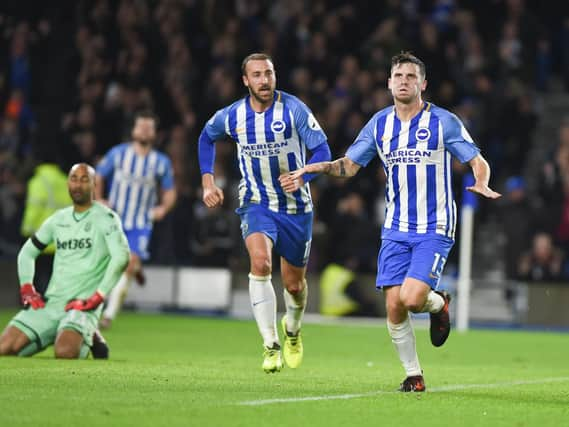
(422, 134)
(278, 126)
(88, 227)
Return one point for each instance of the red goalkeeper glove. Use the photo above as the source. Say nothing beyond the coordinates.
(30, 297)
(85, 304)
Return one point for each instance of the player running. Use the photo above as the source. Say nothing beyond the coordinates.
(91, 254)
(272, 130)
(135, 173)
(415, 141)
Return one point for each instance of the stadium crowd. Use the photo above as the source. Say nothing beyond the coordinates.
(72, 78)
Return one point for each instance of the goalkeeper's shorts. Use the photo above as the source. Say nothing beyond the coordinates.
(43, 325)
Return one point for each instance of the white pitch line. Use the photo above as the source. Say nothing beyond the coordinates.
(456, 387)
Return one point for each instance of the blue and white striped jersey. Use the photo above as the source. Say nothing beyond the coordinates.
(416, 157)
(269, 144)
(134, 182)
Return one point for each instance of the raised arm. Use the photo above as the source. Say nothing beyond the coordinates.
(481, 171)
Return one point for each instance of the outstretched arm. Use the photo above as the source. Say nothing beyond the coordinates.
(344, 167)
(481, 171)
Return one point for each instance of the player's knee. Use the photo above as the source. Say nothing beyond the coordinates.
(261, 265)
(412, 303)
(66, 351)
(294, 286)
(7, 348)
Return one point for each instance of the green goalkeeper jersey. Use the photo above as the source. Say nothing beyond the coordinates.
(91, 252)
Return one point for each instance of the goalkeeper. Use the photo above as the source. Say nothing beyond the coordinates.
(91, 254)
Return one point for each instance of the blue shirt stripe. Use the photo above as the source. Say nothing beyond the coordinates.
(395, 139)
(413, 126)
(379, 130)
(232, 122)
(434, 128)
(396, 198)
(250, 124)
(256, 164)
(286, 119)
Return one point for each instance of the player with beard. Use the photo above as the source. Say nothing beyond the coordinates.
(140, 185)
(91, 253)
(415, 141)
(272, 131)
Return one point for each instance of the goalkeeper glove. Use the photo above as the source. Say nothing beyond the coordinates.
(85, 304)
(30, 297)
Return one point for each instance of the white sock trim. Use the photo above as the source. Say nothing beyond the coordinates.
(259, 278)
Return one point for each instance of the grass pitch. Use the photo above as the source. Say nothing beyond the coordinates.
(189, 371)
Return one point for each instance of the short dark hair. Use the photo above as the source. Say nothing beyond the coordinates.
(254, 57)
(408, 57)
(146, 114)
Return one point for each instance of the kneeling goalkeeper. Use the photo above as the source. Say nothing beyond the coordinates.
(91, 254)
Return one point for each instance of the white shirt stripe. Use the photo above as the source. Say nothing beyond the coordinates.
(123, 184)
(135, 188)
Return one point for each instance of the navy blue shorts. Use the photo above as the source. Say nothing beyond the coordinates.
(422, 259)
(291, 234)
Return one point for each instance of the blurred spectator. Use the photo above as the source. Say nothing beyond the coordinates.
(552, 181)
(46, 193)
(543, 262)
(9, 137)
(12, 193)
(517, 222)
(179, 58)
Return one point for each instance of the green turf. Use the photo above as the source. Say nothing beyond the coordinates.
(187, 371)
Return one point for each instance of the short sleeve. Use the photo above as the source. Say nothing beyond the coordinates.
(363, 150)
(107, 164)
(167, 176)
(215, 126)
(307, 126)
(457, 140)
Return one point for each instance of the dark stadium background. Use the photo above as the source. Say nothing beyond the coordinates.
(73, 73)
